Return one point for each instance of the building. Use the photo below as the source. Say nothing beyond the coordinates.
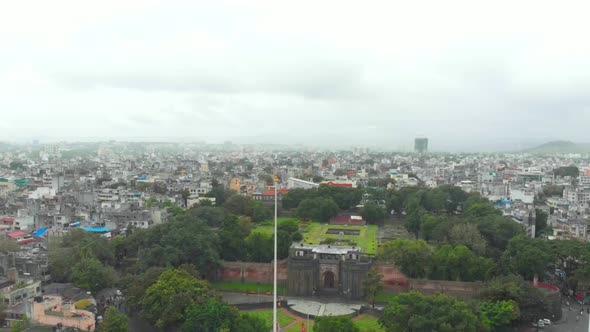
(421, 145)
(294, 183)
(52, 310)
(269, 195)
(326, 270)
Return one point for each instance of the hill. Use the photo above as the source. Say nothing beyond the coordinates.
(560, 147)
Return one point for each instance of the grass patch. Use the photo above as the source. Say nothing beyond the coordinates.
(372, 244)
(297, 327)
(268, 226)
(245, 288)
(369, 323)
(384, 298)
(283, 318)
(316, 233)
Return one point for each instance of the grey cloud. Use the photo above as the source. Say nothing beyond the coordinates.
(313, 81)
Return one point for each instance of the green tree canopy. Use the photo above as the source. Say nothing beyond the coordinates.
(165, 302)
(418, 313)
(373, 213)
(372, 285)
(527, 257)
(498, 315)
(320, 209)
(334, 324)
(114, 321)
(213, 315)
(413, 257)
(250, 323)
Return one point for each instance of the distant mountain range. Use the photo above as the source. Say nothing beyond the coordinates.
(560, 147)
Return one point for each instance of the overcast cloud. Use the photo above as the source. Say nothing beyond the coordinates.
(466, 74)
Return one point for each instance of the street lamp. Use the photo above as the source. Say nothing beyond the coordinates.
(274, 302)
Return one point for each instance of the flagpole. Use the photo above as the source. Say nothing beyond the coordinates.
(274, 302)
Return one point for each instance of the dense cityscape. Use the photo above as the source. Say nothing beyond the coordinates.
(294, 166)
(152, 236)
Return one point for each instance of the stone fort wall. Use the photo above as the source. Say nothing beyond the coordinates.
(252, 273)
(394, 281)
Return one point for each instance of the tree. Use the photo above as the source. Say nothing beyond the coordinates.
(260, 212)
(284, 242)
(212, 315)
(498, 231)
(498, 315)
(553, 190)
(372, 286)
(150, 202)
(91, 275)
(319, 209)
(166, 301)
(334, 324)
(416, 312)
(259, 247)
(571, 171)
(238, 205)
(295, 196)
(469, 236)
(526, 257)
(459, 264)
(250, 323)
(232, 240)
(373, 213)
(540, 221)
(135, 286)
(414, 220)
(531, 302)
(213, 216)
(428, 224)
(184, 240)
(114, 321)
(20, 325)
(413, 257)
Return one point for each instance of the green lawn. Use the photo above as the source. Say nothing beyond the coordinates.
(267, 227)
(384, 298)
(369, 323)
(283, 319)
(372, 243)
(297, 327)
(243, 287)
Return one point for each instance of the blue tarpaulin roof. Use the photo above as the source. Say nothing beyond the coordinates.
(75, 224)
(506, 201)
(40, 232)
(96, 229)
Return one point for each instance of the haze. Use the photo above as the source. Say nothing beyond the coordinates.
(466, 75)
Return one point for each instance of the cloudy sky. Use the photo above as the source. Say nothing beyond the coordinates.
(466, 74)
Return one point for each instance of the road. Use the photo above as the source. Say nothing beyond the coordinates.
(569, 323)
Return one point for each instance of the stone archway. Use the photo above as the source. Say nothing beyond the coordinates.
(329, 279)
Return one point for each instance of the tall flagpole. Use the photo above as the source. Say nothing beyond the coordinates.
(274, 302)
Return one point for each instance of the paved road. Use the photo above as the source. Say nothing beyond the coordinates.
(569, 323)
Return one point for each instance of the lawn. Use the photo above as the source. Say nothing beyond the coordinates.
(369, 323)
(243, 287)
(372, 244)
(384, 298)
(267, 227)
(297, 327)
(283, 318)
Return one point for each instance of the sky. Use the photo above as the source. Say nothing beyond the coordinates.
(466, 74)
